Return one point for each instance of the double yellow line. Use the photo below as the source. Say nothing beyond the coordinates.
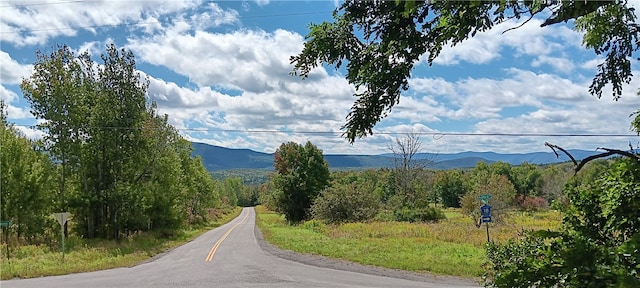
(215, 246)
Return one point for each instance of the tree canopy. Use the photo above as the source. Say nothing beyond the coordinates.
(381, 41)
(301, 173)
(26, 181)
(124, 168)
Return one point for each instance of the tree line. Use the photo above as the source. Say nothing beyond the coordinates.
(302, 187)
(107, 156)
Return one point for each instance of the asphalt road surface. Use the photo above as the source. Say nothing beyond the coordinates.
(234, 255)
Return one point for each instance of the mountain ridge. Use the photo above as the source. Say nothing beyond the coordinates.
(217, 158)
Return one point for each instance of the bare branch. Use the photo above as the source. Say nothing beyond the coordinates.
(554, 147)
(606, 154)
(593, 157)
(522, 24)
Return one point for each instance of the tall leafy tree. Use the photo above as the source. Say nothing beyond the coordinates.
(527, 179)
(200, 191)
(301, 173)
(115, 149)
(59, 90)
(230, 188)
(130, 169)
(450, 187)
(27, 181)
(379, 42)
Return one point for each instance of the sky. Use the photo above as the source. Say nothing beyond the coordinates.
(220, 70)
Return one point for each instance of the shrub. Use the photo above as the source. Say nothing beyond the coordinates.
(502, 195)
(427, 214)
(529, 203)
(449, 186)
(346, 203)
(384, 216)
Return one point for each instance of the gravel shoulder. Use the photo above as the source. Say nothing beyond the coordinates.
(337, 264)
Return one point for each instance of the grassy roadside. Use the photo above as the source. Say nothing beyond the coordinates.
(91, 255)
(451, 247)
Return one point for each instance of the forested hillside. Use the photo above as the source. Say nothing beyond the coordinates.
(217, 158)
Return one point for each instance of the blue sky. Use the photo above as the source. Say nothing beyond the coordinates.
(220, 70)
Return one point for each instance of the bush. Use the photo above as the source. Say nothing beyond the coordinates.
(502, 197)
(418, 214)
(346, 203)
(529, 203)
(384, 216)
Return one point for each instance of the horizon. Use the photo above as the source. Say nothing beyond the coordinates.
(424, 152)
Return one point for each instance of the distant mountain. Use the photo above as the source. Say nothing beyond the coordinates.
(217, 158)
(511, 158)
(220, 158)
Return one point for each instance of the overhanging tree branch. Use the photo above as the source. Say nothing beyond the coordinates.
(593, 157)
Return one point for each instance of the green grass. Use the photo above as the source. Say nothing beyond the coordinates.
(451, 247)
(84, 255)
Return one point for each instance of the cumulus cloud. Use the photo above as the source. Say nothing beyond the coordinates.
(307, 108)
(559, 64)
(12, 72)
(262, 2)
(239, 92)
(486, 98)
(30, 133)
(521, 102)
(31, 23)
(247, 60)
(529, 39)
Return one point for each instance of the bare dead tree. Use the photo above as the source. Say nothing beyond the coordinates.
(408, 161)
(581, 163)
(405, 150)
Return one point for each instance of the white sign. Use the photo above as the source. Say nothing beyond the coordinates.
(62, 217)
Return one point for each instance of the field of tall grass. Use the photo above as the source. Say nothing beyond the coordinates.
(454, 246)
(83, 255)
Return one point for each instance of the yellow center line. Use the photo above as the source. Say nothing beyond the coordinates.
(215, 246)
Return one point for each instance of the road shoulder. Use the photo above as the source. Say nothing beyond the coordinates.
(337, 264)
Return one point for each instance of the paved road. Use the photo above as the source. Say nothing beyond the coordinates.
(228, 256)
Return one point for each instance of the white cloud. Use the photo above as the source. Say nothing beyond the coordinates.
(300, 106)
(486, 98)
(30, 23)
(560, 64)
(530, 39)
(536, 103)
(30, 133)
(437, 86)
(13, 111)
(262, 2)
(592, 64)
(252, 61)
(214, 16)
(12, 72)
